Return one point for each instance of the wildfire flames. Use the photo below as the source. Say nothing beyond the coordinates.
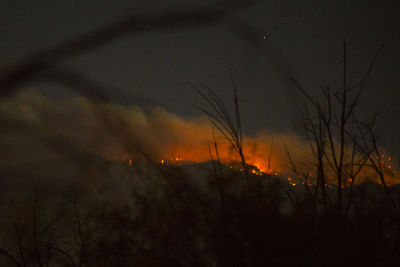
(37, 128)
(261, 166)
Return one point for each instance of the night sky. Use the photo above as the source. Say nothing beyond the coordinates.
(302, 39)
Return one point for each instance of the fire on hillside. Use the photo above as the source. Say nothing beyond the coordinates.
(265, 168)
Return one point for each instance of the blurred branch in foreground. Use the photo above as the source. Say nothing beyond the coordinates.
(19, 73)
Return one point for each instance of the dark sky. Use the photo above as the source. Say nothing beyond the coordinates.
(304, 40)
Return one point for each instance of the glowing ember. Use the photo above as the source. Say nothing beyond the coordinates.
(261, 162)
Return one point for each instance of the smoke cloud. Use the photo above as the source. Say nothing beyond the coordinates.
(37, 129)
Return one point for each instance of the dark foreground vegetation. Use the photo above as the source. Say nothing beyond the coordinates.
(145, 218)
(152, 214)
(156, 215)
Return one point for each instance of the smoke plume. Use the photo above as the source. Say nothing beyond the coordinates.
(36, 128)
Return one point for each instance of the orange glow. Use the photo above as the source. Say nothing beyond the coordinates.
(261, 160)
(256, 154)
